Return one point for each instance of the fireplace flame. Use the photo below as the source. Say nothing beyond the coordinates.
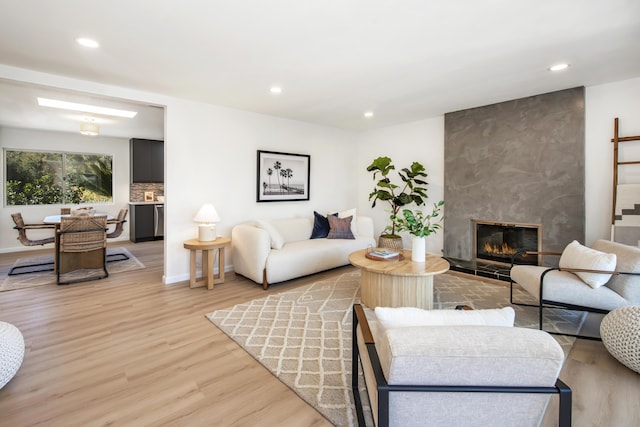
(495, 249)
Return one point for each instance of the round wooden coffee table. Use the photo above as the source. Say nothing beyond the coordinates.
(402, 283)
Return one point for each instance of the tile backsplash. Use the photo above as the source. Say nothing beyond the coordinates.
(137, 190)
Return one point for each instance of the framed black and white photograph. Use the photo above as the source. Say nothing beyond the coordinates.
(282, 176)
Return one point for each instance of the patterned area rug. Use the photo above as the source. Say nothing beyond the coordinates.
(452, 289)
(303, 336)
(42, 273)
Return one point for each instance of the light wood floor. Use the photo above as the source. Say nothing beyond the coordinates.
(129, 350)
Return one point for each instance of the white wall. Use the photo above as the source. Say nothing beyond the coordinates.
(603, 104)
(211, 155)
(421, 141)
(29, 139)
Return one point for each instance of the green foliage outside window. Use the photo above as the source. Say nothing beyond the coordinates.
(45, 178)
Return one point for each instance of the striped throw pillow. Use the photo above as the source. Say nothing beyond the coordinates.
(340, 228)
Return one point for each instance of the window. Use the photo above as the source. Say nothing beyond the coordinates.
(47, 178)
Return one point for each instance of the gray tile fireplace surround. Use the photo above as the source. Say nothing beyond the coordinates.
(519, 161)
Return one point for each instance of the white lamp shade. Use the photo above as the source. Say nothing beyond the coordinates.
(207, 214)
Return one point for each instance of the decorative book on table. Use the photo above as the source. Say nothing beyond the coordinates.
(383, 254)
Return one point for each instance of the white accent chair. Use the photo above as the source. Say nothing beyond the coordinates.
(456, 375)
(580, 283)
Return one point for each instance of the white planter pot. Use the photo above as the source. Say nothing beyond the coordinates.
(418, 249)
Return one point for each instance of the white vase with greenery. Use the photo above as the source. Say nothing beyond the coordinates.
(418, 249)
(419, 226)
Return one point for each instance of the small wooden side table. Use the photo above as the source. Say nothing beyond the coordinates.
(208, 250)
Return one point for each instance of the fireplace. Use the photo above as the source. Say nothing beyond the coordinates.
(497, 241)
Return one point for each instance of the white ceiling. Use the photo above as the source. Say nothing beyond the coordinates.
(335, 59)
(19, 108)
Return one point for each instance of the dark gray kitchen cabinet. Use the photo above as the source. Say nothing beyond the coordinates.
(141, 227)
(147, 160)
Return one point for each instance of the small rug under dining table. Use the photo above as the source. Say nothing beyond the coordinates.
(38, 270)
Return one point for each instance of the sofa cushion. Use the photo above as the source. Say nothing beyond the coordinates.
(470, 355)
(277, 241)
(309, 256)
(340, 228)
(577, 256)
(293, 229)
(410, 316)
(628, 260)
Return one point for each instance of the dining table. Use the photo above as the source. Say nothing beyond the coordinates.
(56, 219)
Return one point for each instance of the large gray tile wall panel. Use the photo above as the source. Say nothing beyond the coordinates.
(516, 161)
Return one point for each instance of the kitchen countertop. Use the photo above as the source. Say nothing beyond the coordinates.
(146, 203)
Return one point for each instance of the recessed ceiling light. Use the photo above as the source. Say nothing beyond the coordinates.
(83, 41)
(368, 114)
(44, 102)
(275, 89)
(559, 67)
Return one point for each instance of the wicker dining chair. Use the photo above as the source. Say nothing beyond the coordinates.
(22, 237)
(119, 222)
(81, 244)
(22, 231)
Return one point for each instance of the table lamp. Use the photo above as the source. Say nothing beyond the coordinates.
(207, 217)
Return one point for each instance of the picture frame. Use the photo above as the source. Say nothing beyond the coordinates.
(282, 177)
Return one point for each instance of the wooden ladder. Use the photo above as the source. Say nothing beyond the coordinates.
(616, 163)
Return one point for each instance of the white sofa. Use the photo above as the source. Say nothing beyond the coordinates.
(272, 251)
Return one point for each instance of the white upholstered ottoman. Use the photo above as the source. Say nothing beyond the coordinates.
(11, 352)
(620, 333)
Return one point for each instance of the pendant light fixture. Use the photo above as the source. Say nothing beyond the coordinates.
(89, 128)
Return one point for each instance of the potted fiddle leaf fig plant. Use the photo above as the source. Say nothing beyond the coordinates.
(413, 189)
(420, 225)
